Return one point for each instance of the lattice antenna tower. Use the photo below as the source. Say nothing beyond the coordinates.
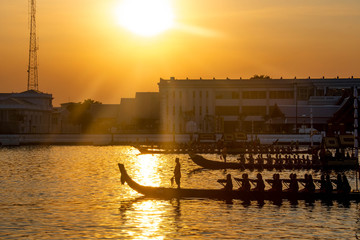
(33, 65)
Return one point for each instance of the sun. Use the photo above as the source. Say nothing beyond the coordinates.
(145, 17)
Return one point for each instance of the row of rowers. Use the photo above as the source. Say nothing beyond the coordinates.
(279, 159)
(324, 184)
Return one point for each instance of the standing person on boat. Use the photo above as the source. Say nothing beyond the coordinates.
(242, 158)
(177, 172)
(251, 160)
(224, 153)
(345, 184)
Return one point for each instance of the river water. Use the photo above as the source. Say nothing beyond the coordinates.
(74, 192)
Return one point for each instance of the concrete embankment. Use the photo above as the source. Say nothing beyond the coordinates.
(125, 139)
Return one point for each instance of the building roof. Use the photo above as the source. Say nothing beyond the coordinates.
(302, 113)
(16, 103)
(260, 82)
(345, 114)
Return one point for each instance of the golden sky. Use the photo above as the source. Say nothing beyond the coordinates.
(84, 52)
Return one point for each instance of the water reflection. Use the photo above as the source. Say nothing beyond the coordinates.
(68, 192)
(146, 166)
(150, 218)
(357, 224)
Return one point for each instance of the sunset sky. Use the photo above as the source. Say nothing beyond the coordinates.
(86, 51)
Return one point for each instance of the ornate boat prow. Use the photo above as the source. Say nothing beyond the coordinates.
(168, 193)
(123, 173)
(126, 178)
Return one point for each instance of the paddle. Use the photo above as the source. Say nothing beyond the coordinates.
(172, 180)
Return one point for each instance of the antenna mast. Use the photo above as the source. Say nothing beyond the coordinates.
(32, 67)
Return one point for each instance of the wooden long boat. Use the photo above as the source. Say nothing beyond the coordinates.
(170, 193)
(212, 164)
(209, 149)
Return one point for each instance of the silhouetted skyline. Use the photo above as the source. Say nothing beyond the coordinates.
(85, 53)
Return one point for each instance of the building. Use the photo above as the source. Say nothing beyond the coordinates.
(104, 118)
(258, 105)
(140, 114)
(25, 112)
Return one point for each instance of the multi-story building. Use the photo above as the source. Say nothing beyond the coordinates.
(258, 104)
(25, 112)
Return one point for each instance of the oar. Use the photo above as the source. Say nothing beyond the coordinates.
(172, 180)
(222, 181)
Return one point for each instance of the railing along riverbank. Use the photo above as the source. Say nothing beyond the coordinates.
(130, 139)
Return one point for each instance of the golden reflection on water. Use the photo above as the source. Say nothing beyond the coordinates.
(68, 192)
(150, 220)
(146, 167)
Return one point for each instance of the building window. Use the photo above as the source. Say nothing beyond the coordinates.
(226, 95)
(227, 110)
(281, 94)
(254, 95)
(303, 94)
(254, 110)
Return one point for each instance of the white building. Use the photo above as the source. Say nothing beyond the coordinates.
(25, 112)
(228, 105)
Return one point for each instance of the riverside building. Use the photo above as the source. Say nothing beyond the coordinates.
(25, 112)
(256, 105)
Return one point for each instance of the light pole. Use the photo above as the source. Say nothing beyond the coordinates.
(311, 128)
(296, 107)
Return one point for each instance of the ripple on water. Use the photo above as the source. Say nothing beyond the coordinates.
(62, 192)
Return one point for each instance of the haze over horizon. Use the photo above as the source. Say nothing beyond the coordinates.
(86, 50)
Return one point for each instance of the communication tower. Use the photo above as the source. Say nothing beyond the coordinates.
(33, 66)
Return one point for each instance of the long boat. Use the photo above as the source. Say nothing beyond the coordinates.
(213, 164)
(170, 193)
(148, 149)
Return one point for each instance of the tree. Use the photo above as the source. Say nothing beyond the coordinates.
(276, 112)
(80, 113)
(260, 77)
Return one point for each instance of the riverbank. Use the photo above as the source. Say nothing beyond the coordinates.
(129, 139)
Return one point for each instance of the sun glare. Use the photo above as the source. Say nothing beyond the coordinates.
(146, 17)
